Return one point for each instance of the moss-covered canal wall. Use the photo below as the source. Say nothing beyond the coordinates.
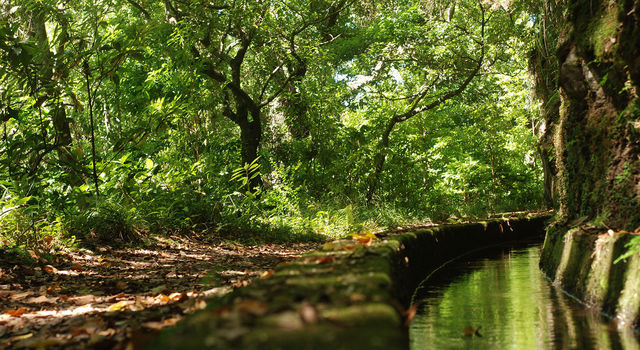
(348, 295)
(581, 260)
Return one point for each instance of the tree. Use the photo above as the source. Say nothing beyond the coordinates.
(253, 52)
(39, 64)
(426, 56)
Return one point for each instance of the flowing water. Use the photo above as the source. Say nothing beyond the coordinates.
(502, 292)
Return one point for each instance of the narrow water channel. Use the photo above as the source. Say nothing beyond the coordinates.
(502, 292)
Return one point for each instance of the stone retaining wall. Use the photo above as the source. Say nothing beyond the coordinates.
(348, 295)
(581, 261)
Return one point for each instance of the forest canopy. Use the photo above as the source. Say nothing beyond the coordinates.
(293, 118)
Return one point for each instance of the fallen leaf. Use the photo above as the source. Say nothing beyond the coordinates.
(364, 240)
(469, 331)
(41, 300)
(21, 337)
(17, 312)
(33, 254)
(162, 298)
(158, 325)
(410, 314)
(113, 298)
(83, 300)
(239, 284)
(19, 296)
(77, 267)
(48, 239)
(50, 269)
(267, 274)
(176, 296)
(326, 260)
(119, 306)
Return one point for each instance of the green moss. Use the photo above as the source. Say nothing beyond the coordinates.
(629, 303)
(602, 30)
(362, 314)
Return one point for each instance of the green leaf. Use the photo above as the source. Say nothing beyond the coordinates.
(125, 157)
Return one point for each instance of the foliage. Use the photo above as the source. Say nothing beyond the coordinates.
(105, 223)
(261, 120)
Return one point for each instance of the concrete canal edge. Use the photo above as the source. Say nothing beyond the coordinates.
(347, 295)
(581, 260)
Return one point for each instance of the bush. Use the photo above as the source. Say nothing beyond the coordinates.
(107, 223)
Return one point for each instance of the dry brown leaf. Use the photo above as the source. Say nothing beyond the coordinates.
(239, 284)
(410, 314)
(41, 300)
(365, 240)
(48, 239)
(162, 298)
(20, 296)
(176, 296)
(83, 300)
(158, 325)
(468, 331)
(50, 269)
(325, 260)
(76, 331)
(17, 312)
(77, 267)
(33, 254)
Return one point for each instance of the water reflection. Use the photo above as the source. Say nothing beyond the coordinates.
(505, 294)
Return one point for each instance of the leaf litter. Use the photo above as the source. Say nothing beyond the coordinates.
(121, 298)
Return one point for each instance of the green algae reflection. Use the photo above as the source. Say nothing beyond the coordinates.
(504, 293)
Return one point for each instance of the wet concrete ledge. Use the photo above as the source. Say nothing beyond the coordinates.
(348, 295)
(580, 260)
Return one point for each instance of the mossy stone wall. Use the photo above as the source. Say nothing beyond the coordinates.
(582, 261)
(597, 133)
(345, 296)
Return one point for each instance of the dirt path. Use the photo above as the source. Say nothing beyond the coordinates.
(119, 298)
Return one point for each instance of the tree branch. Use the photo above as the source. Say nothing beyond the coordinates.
(144, 12)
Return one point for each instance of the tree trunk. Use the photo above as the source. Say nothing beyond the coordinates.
(49, 82)
(250, 136)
